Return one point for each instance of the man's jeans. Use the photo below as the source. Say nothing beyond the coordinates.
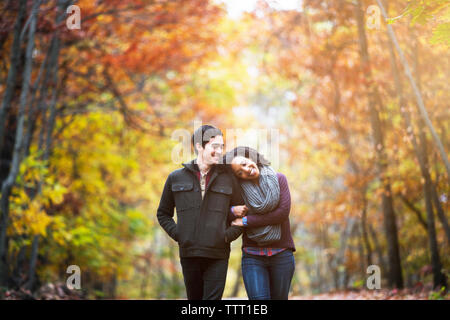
(204, 277)
(268, 277)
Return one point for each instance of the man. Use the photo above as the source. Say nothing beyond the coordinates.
(203, 193)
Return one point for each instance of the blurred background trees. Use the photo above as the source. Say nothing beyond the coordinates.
(88, 115)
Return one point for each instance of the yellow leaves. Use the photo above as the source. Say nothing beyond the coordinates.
(53, 194)
(60, 235)
(81, 236)
(30, 221)
(31, 170)
(35, 190)
(39, 220)
(398, 187)
(19, 198)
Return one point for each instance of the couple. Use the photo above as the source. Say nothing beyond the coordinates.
(218, 197)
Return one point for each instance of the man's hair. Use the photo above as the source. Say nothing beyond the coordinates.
(204, 134)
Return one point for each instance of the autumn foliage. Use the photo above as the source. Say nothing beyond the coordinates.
(86, 137)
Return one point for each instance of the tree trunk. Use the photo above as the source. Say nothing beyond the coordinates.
(440, 212)
(395, 277)
(345, 141)
(33, 261)
(420, 104)
(357, 233)
(422, 158)
(18, 273)
(33, 112)
(18, 145)
(378, 249)
(13, 68)
(53, 74)
(365, 236)
(420, 150)
(423, 142)
(339, 259)
(438, 277)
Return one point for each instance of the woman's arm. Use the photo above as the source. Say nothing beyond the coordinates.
(278, 215)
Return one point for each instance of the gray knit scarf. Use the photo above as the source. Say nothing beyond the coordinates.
(261, 199)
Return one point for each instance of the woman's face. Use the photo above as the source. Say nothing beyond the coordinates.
(244, 168)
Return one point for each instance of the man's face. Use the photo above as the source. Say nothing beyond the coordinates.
(212, 151)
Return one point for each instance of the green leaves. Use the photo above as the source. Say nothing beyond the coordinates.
(432, 11)
(422, 11)
(441, 34)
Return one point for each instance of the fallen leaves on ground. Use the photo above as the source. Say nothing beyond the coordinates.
(381, 294)
(50, 291)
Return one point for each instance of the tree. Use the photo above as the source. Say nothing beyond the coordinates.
(395, 271)
(418, 95)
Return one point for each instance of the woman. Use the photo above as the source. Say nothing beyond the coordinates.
(267, 264)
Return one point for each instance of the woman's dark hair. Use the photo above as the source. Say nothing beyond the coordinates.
(246, 152)
(203, 134)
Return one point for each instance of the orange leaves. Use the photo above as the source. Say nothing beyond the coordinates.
(161, 36)
(383, 294)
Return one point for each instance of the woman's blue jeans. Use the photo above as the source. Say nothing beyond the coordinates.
(268, 277)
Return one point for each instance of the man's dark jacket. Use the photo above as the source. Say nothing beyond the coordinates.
(203, 226)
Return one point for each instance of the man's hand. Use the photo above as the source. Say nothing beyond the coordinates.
(240, 211)
(237, 222)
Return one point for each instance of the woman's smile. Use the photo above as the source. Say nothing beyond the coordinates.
(244, 168)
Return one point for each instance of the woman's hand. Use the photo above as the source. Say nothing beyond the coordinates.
(240, 211)
(237, 222)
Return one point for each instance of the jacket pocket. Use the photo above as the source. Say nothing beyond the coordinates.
(222, 189)
(219, 197)
(182, 186)
(184, 234)
(183, 195)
